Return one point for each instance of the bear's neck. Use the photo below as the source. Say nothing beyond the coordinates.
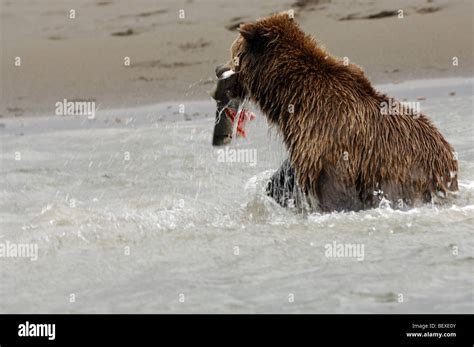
(298, 118)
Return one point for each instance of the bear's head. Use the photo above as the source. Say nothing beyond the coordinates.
(263, 35)
(268, 53)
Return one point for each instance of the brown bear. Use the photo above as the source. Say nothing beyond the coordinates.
(345, 151)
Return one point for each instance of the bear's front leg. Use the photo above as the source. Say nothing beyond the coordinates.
(284, 188)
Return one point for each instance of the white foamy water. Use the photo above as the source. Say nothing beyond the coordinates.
(147, 183)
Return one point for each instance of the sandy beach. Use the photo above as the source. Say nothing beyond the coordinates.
(173, 53)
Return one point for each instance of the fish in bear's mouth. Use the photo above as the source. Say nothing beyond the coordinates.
(228, 108)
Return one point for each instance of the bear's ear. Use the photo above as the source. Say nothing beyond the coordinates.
(251, 32)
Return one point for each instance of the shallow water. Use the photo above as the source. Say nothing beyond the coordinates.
(173, 229)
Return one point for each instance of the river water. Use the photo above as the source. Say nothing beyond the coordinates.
(135, 212)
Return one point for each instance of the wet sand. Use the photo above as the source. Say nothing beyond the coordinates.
(172, 59)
